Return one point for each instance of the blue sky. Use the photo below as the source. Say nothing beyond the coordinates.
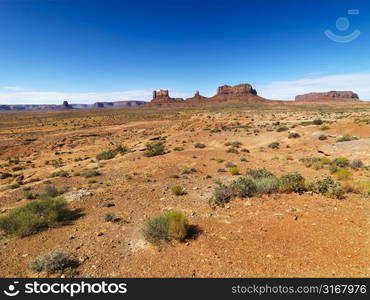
(86, 51)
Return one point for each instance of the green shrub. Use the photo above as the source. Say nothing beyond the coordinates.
(267, 185)
(232, 150)
(325, 127)
(292, 182)
(341, 162)
(199, 145)
(178, 149)
(154, 149)
(327, 187)
(106, 155)
(52, 262)
(219, 160)
(317, 122)
(357, 164)
(347, 138)
(282, 128)
(178, 190)
(177, 226)
(274, 145)
(188, 171)
(243, 187)
(166, 227)
(51, 191)
(29, 195)
(259, 173)
(221, 195)
(234, 144)
(109, 217)
(121, 149)
(234, 171)
(60, 173)
(34, 216)
(90, 173)
(343, 174)
(174, 176)
(293, 135)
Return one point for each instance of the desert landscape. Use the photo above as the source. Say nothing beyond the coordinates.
(249, 187)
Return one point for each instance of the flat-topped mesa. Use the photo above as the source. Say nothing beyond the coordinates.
(328, 96)
(163, 97)
(237, 90)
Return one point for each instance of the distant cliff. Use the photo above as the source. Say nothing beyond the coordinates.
(66, 105)
(328, 96)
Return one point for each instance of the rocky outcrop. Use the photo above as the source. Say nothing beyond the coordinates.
(118, 104)
(197, 98)
(162, 97)
(331, 96)
(237, 90)
(65, 105)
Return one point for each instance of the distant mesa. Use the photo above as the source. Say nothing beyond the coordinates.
(65, 105)
(328, 96)
(118, 104)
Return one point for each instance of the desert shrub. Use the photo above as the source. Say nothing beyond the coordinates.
(347, 138)
(292, 182)
(34, 216)
(174, 176)
(154, 149)
(90, 173)
(188, 171)
(234, 144)
(343, 174)
(166, 227)
(274, 145)
(323, 137)
(267, 185)
(60, 173)
(341, 162)
(232, 150)
(282, 128)
(52, 262)
(327, 187)
(324, 127)
(178, 190)
(230, 164)
(317, 122)
(199, 145)
(221, 195)
(51, 191)
(356, 164)
(293, 135)
(177, 227)
(243, 187)
(14, 186)
(29, 195)
(106, 155)
(121, 149)
(259, 173)
(109, 217)
(234, 171)
(219, 160)
(178, 149)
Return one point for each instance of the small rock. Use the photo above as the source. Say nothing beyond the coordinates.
(100, 234)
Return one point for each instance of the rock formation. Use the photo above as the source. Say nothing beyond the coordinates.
(328, 96)
(118, 104)
(242, 92)
(197, 98)
(65, 105)
(162, 97)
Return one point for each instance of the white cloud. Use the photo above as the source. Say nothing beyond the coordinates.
(12, 88)
(287, 90)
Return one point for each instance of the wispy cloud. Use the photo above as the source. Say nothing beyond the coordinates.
(11, 88)
(287, 90)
